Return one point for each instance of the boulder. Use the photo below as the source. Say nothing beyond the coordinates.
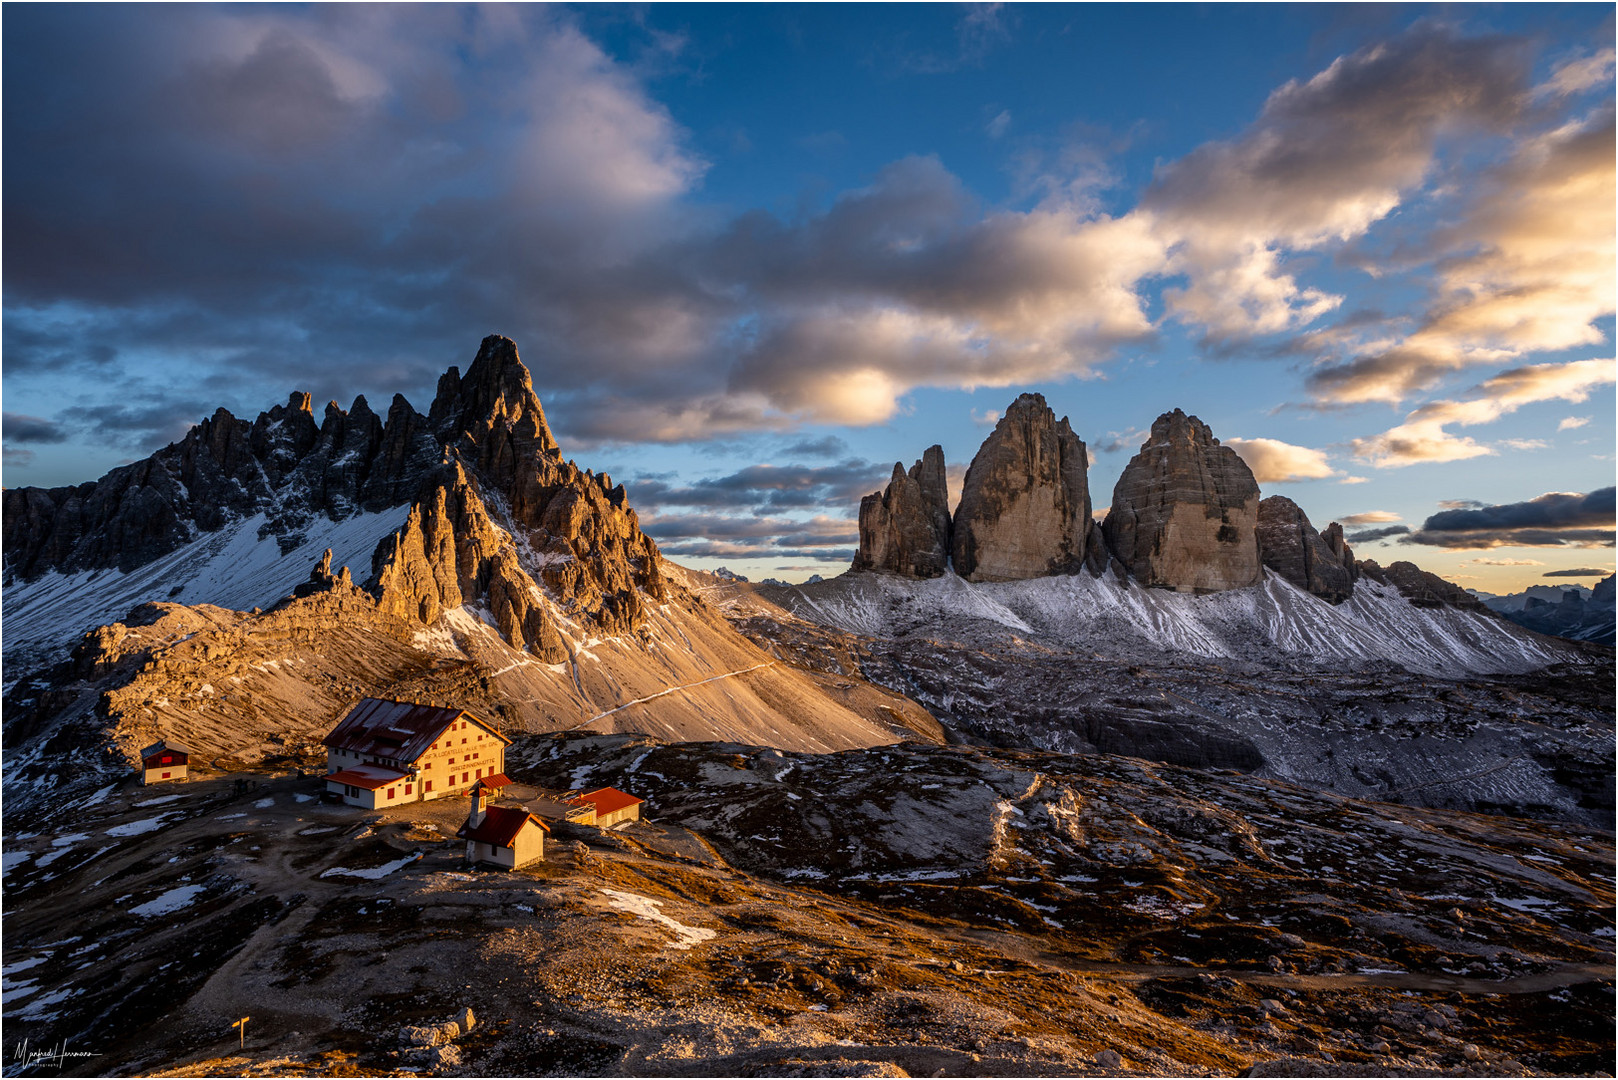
(1290, 546)
(1025, 505)
(1185, 512)
(905, 529)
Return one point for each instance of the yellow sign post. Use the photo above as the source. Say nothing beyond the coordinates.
(241, 1027)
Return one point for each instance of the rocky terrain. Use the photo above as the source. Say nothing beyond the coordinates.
(1373, 697)
(876, 912)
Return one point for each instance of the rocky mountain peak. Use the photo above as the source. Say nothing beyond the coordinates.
(905, 529)
(1025, 503)
(1290, 547)
(1185, 511)
(496, 392)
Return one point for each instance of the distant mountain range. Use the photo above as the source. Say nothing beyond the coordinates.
(1570, 611)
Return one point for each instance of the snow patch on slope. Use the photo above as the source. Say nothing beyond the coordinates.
(1121, 619)
(232, 568)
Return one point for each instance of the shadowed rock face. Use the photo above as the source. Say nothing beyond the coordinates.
(1290, 546)
(1025, 505)
(1185, 512)
(905, 529)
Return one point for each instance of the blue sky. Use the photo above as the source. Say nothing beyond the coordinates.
(754, 255)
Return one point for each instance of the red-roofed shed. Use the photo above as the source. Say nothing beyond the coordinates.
(611, 805)
(164, 760)
(507, 836)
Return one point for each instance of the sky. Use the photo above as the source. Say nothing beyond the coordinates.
(754, 255)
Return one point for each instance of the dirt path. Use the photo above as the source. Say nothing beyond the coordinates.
(665, 693)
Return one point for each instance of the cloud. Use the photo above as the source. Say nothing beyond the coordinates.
(20, 427)
(1551, 520)
(1423, 438)
(1276, 462)
(1570, 423)
(767, 488)
(1461, 504)
(1527, 267)
(986, 418)
(1505, 562)
(1369, 517)
(997, 127)
(16, 456)
(1585, 571)
(1327, 158)
(1580, 73)
(1355, 480)
(727, 537)
(825, 446)
(1367, 535)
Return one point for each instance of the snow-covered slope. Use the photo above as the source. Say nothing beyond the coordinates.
(240, 567)
(1116, 619)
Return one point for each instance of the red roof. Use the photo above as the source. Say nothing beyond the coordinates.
(606, 800)
(500, 826)
(369, 777)
(163, 745)
(498, 780)
(399, 730)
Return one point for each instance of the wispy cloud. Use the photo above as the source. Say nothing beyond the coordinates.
(1423, 438)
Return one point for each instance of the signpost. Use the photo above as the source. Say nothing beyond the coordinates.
(241, 1026)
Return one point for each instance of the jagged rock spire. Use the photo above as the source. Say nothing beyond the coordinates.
(496, 392)
(1025, 505)
(1185, 511)
(905, 529)
(1290, 547)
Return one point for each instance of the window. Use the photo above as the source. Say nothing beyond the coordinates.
(452, 761)
(352, 791)
(427, 766)
(463, 742)
(390, 793)
(408, 788)
(480, 774)
(425, 788)
(167, 775)
(463, 778)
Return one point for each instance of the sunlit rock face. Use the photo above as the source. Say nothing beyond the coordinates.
(1185, 512)
(1290, 547)
(1025, 504)
(905, 529)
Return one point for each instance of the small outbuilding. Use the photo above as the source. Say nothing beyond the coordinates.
(505, 836)
(164, 761)
(611, 806)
